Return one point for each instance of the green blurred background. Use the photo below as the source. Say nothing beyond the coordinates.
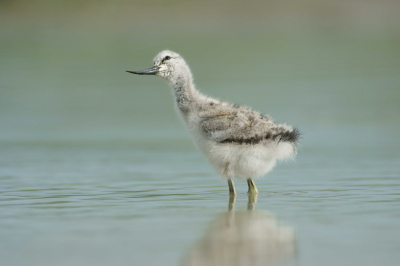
(314, 64)
(97, 169)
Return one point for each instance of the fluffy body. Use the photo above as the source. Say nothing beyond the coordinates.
(236, 140)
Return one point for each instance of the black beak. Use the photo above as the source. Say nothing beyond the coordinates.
(150, 71)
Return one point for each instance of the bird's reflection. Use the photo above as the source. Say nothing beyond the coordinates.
(244, 238)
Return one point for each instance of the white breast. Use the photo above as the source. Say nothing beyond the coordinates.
(232, 160)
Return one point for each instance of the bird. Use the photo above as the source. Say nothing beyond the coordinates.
(237, 141)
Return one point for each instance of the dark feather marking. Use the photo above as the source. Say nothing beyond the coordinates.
(286, 136)
(290, 136)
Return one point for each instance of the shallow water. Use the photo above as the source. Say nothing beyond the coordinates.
(97, 170)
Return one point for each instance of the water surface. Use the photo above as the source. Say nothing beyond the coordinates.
(96, 169)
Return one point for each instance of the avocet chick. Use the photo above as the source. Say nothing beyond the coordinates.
(237, 141)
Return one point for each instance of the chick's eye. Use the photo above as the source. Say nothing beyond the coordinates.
(167, 57)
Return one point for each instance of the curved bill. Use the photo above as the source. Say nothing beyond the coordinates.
(150, 71)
